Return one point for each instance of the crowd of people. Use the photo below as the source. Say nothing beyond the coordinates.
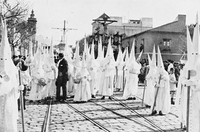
(84, 77)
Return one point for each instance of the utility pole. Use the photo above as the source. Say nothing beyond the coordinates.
(64, 29)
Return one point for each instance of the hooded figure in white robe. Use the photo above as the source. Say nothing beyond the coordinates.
(92, 68)
(39, 79)
(100, 66)
(108, 74)
(194, 83)
(51, 72)
(70, 83)
(162, 102)
(132, 70)
(82, 91)
(9, 86)
(151, 81)
(181, 94)
(120, 67)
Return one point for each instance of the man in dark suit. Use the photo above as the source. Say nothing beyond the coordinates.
(62, 77)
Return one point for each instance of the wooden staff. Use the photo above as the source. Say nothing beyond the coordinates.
(123, 79)
(21, 101)
(154, 104)
(188, 103)
(145, 83)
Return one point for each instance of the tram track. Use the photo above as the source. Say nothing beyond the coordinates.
(128, 118)
(88, 118)
(138, 114)
(96, 123)
(45, 125)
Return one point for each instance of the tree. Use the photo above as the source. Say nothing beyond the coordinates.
(16, 24)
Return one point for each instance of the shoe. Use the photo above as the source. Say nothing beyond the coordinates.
(147, 106)
(103, 98)
(172, 101)
(154, 112)
(93, 96)
(130, 98)
(118, 89)
(160, 113)
(71, 96)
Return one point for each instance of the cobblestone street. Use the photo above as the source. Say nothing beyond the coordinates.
(111, 114)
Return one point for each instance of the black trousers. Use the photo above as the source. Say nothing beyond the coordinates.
(61, 82)
(24, 94)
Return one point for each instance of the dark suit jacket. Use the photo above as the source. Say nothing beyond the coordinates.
(63, 69)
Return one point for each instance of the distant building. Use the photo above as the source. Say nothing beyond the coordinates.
(32, 21)
(127, 29)
(171, 38)
(30, 27)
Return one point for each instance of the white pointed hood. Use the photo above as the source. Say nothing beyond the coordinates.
(51, 55)
(30, 57)
(149, 59)
(93, 62)
(190, 48)
(132, 54)
(196, 38)
(126, 55)
(100, 50)
(160, 65)
(139, 57)
(85, 52)
(7, 66)
(38, 71)
(110, 53)
(152, 64)
(120, 55)
(154, 57)
(92, 51)
(76, 59)
(6, 62)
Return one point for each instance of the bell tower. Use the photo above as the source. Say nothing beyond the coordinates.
(32, 21)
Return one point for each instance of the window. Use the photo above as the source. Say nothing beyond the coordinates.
(166, 45)
(167, 42)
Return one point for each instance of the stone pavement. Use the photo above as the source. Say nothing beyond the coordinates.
(108, 113)
(33, 117)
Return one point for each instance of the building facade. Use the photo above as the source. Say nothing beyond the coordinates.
(171, 38)
(127, 29)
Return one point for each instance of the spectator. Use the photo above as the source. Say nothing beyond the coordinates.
(173, 83)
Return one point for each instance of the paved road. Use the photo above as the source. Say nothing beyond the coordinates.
(109, 113)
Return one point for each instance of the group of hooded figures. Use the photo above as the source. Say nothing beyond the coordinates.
(187, 98)
(89, 76)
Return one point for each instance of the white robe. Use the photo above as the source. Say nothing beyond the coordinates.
(38, 92)
(163, 102)
(8, 104)
(150, 87)
(82, 91)
(181, 96)
(119, 76)
(194, 117)
(172, 79)
(107, 77)
(50, 75)
(131, 86)
(70, 83)
(194, 106)
(92, 68)
(99, 77)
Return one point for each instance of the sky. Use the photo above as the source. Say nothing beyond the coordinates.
(80, 13)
